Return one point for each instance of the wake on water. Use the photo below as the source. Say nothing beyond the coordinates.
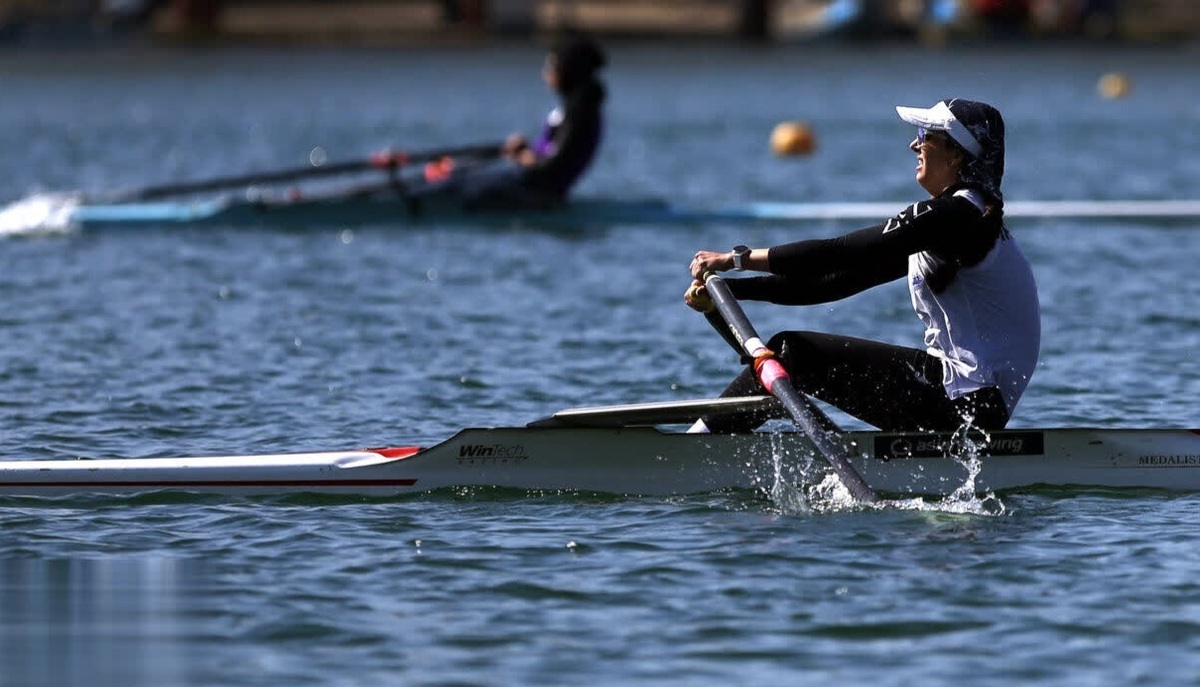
(42, 213)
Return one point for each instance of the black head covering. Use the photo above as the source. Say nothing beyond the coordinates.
(985, 170)
(578, 59)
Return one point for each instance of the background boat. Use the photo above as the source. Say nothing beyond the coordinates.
(54, 213)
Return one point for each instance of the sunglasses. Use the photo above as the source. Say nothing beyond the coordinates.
(941, 136)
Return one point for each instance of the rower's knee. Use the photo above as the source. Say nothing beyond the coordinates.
(796, 346)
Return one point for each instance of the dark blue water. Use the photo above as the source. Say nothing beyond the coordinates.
(171, 341)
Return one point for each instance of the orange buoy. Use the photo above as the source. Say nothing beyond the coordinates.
(1113, 85)
(793, 138)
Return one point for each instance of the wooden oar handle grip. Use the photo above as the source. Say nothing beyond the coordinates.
(698, 301)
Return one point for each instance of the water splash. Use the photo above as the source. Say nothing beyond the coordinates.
(800, 484)
(42, 213)
(965, 446)
(783, 492)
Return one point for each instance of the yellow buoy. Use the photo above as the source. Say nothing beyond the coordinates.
(1113, 85)
(792, 138)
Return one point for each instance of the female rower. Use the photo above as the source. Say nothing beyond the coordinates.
(540, 174)
(528, 175)
(571, 134)
(970, 284)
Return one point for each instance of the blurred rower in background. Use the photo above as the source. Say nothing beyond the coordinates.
(571, 135)
(540, 173)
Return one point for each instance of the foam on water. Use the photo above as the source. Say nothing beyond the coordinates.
(42, 213)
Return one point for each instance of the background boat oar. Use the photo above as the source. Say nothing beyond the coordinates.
(386, 161)
(775, 380)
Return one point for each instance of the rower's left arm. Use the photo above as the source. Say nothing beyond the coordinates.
(825, 270)
(812, 289)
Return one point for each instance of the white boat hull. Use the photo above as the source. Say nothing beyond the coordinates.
(641, 461)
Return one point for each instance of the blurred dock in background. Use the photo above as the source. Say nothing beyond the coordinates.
(396, 22)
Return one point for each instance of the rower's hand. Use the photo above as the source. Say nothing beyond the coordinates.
(707, 261)
(698, 299)
(513, 146)
(526, 158)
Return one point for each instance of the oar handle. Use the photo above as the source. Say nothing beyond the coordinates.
(775, 380)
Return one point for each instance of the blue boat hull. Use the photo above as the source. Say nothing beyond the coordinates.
(42, 214)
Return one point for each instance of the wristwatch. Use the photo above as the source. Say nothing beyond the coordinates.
(740, 255)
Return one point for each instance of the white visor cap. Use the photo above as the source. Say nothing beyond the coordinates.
(940, 118)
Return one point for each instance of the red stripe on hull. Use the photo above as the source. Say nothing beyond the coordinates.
(224, 483)
(395, 451)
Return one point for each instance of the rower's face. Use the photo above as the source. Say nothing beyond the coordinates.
(938, 160)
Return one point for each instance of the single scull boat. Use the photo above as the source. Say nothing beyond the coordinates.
(39, 214)
(628, 449)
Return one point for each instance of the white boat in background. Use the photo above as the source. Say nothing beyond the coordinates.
(629, 450)
(60, 213)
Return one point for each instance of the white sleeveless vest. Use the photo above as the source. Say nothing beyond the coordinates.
(986, 325)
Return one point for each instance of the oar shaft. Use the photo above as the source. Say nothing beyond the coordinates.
(797, 407)
(295, 173)
(775, 379)
(714, 318)
(152, 192)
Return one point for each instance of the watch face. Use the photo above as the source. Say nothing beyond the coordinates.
(740, 253)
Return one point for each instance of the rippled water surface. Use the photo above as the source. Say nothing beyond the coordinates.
(172, 341)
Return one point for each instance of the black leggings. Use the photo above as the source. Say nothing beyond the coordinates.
(894, 388)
